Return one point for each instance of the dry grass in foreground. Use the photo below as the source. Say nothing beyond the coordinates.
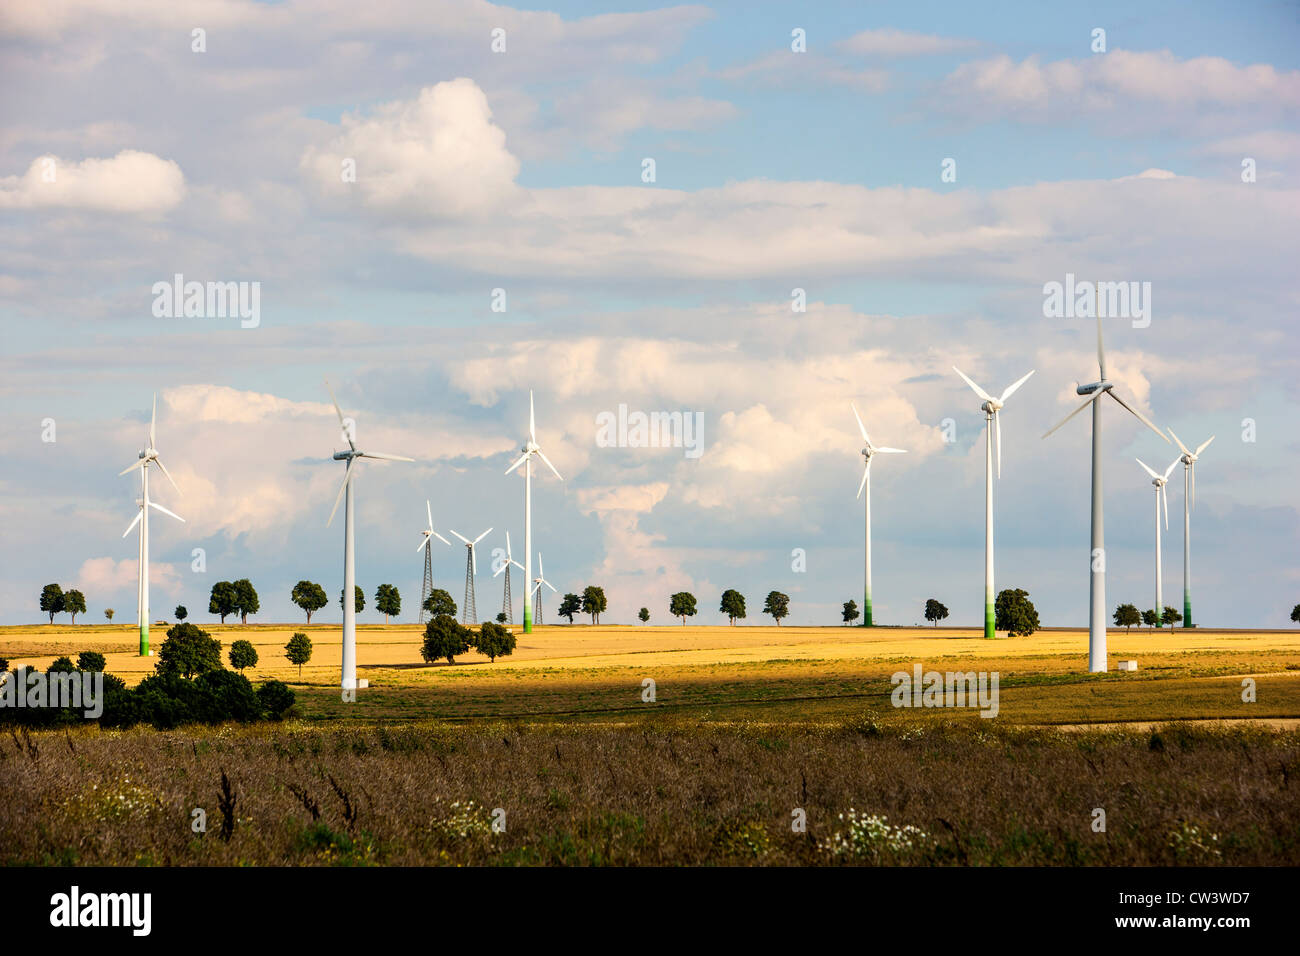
(657, 791)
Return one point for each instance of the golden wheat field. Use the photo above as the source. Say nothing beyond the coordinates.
(745, 672)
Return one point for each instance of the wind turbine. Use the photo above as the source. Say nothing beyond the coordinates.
(349, 564)
(537, 585)
(507, 602)
(426, 588)
(1189, 501)
(469, 613)
(530, 449)
(148, 456)
(868, 450)
(1097, 557)
(1162, 494)
(991, 408)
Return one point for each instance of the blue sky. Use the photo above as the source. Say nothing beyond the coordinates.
(775, 170)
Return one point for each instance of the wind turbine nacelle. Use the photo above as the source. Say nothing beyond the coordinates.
(343, 455)
(1094, 387)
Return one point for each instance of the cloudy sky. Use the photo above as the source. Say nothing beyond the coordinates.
(133, 149)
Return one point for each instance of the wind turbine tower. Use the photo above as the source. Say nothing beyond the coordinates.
(148, 456)
(530, 449)
(1189, 459)
(427, 587)
(468, 611)
(868, 450)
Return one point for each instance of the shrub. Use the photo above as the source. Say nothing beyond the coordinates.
(227, 696)
(62, 665)
(276, 698)
(90, 661)
(494, 641)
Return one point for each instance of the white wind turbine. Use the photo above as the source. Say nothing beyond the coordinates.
(868, 450)
(1162, 495)
(991, 407)
(426, 587)
(1188, 459)
(1097, 556)
(507, 601)
(530, 449)
(148, 456)
(537, 585)
(349, 681)
(469, 612)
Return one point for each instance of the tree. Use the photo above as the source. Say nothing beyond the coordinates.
(181, 612)
(242, 654)
(440, 602)
(1149, 618)
(494, 641)
(1171, 616)
(309, 596)
(188, 652)
(92, 661)
(777, 605)
(223, 599)
(108, 613)
(74, 602)
(501, 617)
(1295, 613)
(643, 615)
(850, 613)
(52, 600)
(298, 650)
(593, 602)
(388, 601)
(682, 604)
(934, 611)
(570, 606)
(1014, 613)
(445, 637)
(246, 602)
(62, 665)
(1126, 615)
(732, 605)
(359, 598)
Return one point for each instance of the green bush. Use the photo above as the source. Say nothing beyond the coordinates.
(188, 652)
(494, 640)
(445, 638)
(276, 698)
(91, 661)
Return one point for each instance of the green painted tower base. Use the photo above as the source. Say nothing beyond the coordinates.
(144, 640)
(990, 633)
(528, 620)
(1187, 610)
(866, 612)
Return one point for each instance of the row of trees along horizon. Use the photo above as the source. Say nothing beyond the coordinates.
(1013, 610)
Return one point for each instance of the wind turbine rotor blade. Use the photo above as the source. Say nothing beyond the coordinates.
(339, 412)
(516, 564)
(153, 422)
(139, 464)
(865, 471)
(384, 457)
(1170, 470)
(154, 504)
(347, 476)
(423, 544)
(1147, 468)
(497, 572)
(536, 587)
(518, 461)
(507, 546)
(892, 451)
(1204, 445)
(138, 515)
(542, 455)
(549, 585)
(532, 419)
(1142, 418)
(861, 427)
(1091, 398)
(1179, 442)
(482, 536)
(978, 391)
(441, 538)
(1191, 480)
(169, 476)
(1011, 388)
(428, 509)
(459, 535)
(1101, 350)
(1164, 495)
